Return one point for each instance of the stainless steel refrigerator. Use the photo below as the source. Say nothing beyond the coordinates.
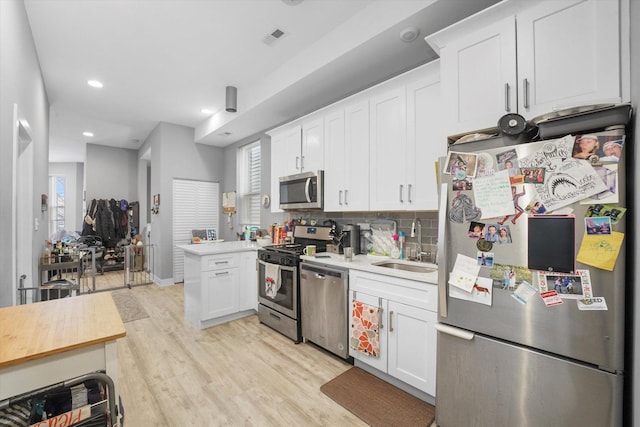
(506, 356)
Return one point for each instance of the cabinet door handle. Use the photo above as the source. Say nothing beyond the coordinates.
(507, 107)
(222, 273)
(409, 193)
(391, 321)
(297, 160)
(346, 194)
(401, 189)
(525, 89)
(340, 197)
(222, 262)
(301, 163)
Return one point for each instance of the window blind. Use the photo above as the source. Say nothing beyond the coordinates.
(196, 205)
(249, 180)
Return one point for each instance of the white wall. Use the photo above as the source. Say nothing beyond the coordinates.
(73, 174)
(20, 83)
(111, 173)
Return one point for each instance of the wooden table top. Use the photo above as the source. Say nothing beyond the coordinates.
(32, 331)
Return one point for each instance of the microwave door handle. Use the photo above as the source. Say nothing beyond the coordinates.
(307, 188)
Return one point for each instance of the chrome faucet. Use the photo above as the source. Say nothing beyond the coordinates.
(419, 250)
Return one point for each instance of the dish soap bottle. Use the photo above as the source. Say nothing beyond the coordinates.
(401, 235)
(395, 250)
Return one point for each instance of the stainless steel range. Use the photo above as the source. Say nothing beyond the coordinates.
(279, 279)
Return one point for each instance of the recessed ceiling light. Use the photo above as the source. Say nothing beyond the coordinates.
(95, 83)
(206, 111)
(87, 133)
(409, 34)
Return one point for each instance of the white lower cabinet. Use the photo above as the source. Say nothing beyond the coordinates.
(219, 288)
(407, 334)
(248, 281)
(219, 293)
(412, 346)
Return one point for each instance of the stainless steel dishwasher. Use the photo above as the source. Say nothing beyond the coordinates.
(323, 296)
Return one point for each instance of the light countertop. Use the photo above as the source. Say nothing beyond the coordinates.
(220, 247)
(367, 263)
(33, 331)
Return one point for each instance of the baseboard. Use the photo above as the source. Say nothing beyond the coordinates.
(396, 382)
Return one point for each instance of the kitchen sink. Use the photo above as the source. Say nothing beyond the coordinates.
(414, 267)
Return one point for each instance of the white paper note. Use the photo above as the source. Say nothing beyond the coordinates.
(465, 272)
(481, 292)
(493, 196)
(524, 292)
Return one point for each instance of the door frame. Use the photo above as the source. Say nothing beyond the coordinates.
(22, 201)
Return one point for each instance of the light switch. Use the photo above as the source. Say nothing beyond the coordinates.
(36, 224)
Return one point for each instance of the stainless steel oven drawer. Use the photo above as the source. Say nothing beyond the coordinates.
(278, 321)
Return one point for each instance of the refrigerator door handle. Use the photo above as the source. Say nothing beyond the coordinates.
(442, 251)
(456, 332)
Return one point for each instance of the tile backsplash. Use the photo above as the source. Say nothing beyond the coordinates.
(403, 222)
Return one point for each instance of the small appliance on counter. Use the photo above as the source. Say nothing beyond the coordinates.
(366, 243)
(350, 238)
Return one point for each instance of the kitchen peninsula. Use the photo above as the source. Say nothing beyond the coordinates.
(219, 282)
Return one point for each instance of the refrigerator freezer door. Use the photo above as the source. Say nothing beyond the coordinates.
(486, 382)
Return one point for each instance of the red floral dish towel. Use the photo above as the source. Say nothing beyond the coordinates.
(365, 327)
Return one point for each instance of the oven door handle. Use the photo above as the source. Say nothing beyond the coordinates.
(282, 267)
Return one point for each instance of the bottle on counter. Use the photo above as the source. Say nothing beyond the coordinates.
(46, 253)
(401, 236)
(395, 249)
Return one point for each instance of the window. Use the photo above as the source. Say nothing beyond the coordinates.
(249, 183)
(56, 204)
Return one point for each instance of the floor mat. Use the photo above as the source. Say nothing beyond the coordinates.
(377, 402)
(128, 306)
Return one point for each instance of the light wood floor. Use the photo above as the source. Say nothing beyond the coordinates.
(238, 374)
(115, 280)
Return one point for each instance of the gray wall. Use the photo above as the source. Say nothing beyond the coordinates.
(20, 83)
(74, 177)
(111, 173)
(229, 184)
(174, 154)
(631, 236)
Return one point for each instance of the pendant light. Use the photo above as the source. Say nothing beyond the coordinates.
(231, 99)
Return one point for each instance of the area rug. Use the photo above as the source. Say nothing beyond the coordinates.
(377, 402)
(128, 306)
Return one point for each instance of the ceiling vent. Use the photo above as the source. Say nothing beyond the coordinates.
(275, 35)
(224, 134)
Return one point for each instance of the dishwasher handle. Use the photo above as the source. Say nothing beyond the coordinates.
(323, 271)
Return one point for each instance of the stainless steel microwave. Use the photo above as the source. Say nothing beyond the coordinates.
(302, 191)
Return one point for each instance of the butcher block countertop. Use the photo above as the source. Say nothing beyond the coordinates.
(33, 331)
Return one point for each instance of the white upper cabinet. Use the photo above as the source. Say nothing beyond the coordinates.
(529, 58)
(285, 159)
(334, 150)
(568, 55)
(406, 140)
(356, 136)
(479, 77)
(388, 144)
(426, 140)
(347, 158)
(312, 150)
